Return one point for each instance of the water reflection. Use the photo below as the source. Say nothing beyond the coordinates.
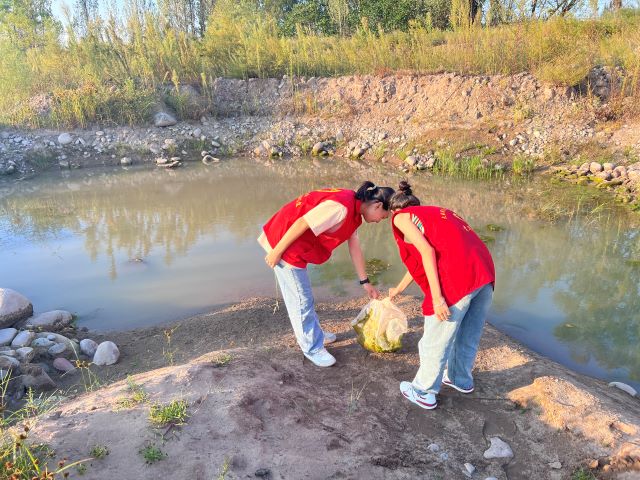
(126, 249)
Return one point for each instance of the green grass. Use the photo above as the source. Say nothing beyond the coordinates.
(583, 474)
(475, 167)
(523, 165)
(99, 451)
(173, 413)
(116, 73)
(137, 396)
(221, 360)
(152, 454)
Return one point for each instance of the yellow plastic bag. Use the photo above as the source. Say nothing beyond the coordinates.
(380, 325)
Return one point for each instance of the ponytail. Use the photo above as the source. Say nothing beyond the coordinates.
(370, 192)
(403, 197)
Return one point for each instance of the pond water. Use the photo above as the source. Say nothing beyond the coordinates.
(126, 249)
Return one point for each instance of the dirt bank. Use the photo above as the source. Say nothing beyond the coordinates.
(256, 406)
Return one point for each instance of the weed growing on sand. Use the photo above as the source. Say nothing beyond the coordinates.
(582, 474)
(173, 413)
(152, 454)
(167, 352)
(90, 380)
(224, 469)
(137, 396)
(221, 360)
(523, 165)
(99, 451)
(355, 397)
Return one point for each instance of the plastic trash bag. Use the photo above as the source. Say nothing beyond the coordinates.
(380, 325)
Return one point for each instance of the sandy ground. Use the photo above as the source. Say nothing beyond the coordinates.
(269, 411)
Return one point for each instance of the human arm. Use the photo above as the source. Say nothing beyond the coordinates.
(355, 250)
(295, 231)
(413, 235)
(404, 283)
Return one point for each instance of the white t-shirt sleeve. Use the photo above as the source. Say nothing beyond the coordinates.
(325, 216)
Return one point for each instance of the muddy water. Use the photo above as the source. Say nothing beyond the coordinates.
(125, 249)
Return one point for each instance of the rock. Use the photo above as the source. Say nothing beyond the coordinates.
(25, 354)
(13, 307)
(595, 167)
(604, 175)
(444, 456)
(625, 388)
(73, 346)
(8, 351)
(411, 160)
(555, 465)
(263, 473)
(125, 161)
(23, 339)
(9, 363)
(52, 319)
(358, 152)
(7, 335)
(318, 148)
(498, 449)
(65, 139)
(88, 347)
(209, 160)
(57, 349)
(161, 161)
(433, 447)
(608, 167)
(164, 119)
(63, 365)
(633, 175)
(42, 343)
(197, 132)
(215, 144)
(37, 378)
(107, 353)
(339, 136)
(468, 469)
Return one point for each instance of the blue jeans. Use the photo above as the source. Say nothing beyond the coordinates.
(298, 297)
(454, 342)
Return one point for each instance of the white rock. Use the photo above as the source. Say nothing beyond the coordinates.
(25, 354)
(469, 469)
(215, 144)
(433, 447)
(625, 388)
(57, 349)
(125, 161)
(13, 307)
(54, 318)
(498, 449)
(7, 335)
(555, 465)
(444, 456)
(88, 347)
(107, 353)
(164, 119)
(65, 138)
(23, 339)
(197, 132)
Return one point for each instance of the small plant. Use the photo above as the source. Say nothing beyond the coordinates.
(152, 454)
(221, 360)
(522, 111)
(99, 451)
(173, 413)
(167, 352)
(90, 380)
(138, 395)
(523, 165)
(355, 397)
(81, 469)
(582, 474)
(225, 469)
(492, 227)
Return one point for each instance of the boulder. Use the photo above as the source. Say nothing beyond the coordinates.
(595, 167)
(164, 119)
(42, 343)
(34, 376)
(7, 335)
(65, 138)
(107, 353)
(9, 363)
(52, 319)
(23, 339)
(13, 307)
(88, 347)
(57, 349)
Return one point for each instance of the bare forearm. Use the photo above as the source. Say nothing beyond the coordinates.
(405, 282)
(357, 258)
(295, 231)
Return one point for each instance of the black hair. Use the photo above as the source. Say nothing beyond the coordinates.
(403, 197)
(370, 192)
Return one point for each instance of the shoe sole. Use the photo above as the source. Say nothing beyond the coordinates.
(328, 342)
(415, 401)
(461, 390)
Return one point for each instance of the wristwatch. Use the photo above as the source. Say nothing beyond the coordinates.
(366, 280)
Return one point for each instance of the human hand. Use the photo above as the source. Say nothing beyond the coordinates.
(441, 309)
(372, 291)
(394, 292)
(272, 258)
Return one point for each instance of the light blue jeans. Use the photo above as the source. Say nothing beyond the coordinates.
(298, 298)
(454, 342)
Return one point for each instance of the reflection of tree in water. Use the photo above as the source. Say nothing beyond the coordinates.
(598, 293)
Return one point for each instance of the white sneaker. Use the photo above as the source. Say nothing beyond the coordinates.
(321, 358)
(329, 338)
(427, 401)
(449, 383)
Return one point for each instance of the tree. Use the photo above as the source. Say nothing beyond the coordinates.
(27, 23)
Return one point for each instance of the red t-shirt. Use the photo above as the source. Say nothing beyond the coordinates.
(309, 248)
(464, 262)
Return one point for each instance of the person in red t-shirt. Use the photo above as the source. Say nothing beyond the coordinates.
(307, 230)
(454, 269)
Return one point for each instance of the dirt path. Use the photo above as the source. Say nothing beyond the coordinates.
(266, 410)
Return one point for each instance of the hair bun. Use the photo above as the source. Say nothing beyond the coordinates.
(405, 188)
